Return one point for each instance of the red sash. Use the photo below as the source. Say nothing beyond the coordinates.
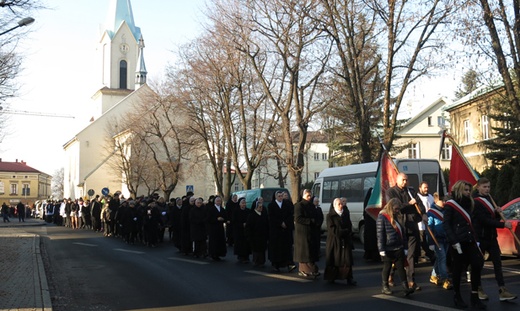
(487, 205)
(461, 211)
(437, 214)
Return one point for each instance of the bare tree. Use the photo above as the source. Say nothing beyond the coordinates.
(288, 52)
(358, 82)
(493, 27)
(413, 37)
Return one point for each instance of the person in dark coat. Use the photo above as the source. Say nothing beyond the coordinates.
(176, 222)
(257, 231)
(239, 218)
(198, 228)
(339, 259)
(316, 230)
(391, 242)
(231, 206)
(304, 220)
(187, 205)
(5, 212)
(96, 214)
(129, 220)
(151, 224)
(458, 219)
(20, 210)
(488, 219)
(281, 226)
(410, 217)
(216, 233)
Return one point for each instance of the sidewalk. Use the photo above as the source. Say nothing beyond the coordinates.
(24, 283)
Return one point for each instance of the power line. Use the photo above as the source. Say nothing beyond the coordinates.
(35, 113)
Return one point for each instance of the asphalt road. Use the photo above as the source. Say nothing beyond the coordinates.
(87, 271)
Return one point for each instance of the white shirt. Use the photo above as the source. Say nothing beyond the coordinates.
(427, 201)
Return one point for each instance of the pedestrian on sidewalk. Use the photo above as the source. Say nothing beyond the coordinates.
(5, 212)
(20, 210)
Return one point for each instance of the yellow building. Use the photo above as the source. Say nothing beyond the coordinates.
(20, 182)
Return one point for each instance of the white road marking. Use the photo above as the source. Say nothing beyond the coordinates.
(414, 303)
(198, 262)
(85, 244)
(128, 251)
(279, 276)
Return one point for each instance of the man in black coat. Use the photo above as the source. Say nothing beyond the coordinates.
(410, 219)
(488, 220)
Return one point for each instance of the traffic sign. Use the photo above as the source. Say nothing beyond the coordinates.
(189, 188)
(105, 191)
(91, 192)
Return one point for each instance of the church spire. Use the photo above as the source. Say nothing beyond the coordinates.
(121, 11)
(140, 72)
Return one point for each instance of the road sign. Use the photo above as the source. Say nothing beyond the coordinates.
(189, 188)
(91, 192)
(105, 191)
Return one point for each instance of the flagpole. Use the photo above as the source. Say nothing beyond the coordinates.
(416, 205)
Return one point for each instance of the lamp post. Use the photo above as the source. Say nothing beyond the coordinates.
(23, 22)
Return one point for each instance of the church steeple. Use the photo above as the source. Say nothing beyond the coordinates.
(140, 72)
(121, 55)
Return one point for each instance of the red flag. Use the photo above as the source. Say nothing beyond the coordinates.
(460, 168)
(385, 178)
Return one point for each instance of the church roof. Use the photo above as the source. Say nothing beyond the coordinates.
(121, 11)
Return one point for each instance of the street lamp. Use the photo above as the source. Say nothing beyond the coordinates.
(23, 22)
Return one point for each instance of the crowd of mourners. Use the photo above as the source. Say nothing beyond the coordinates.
(454, 233)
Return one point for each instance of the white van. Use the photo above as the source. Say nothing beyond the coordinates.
(354, 181)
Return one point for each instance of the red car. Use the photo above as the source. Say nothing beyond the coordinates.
(506, 241)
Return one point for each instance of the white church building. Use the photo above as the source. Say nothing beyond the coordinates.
(123, 80)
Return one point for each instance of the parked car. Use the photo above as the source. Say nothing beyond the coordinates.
(506, 241)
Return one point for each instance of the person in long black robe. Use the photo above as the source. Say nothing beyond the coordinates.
(239, 218)
(257, 232)
(216, 232)
(281, 226)
(231, 206)
(339, 259)
(176, 224)
(187, 244)
(198, 228)
(369, 233)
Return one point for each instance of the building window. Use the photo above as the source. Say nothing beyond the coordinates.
(26, 189)
(485, 127)
(467, 132)
(446, 152)
(430, 121)
(413, 151)
(440, 121)
(123, 73)
(324, 156)
(316, 156)
(316, 175)
(14, 188)
(236, 187)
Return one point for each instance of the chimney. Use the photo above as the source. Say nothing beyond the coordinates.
(23, 162)
(16, 161)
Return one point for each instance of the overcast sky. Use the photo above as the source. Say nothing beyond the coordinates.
(61, 75)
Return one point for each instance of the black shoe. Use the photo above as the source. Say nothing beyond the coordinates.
(476, 303)
(351, 282)
(459, 303)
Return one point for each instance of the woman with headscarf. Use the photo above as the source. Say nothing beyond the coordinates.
(238, 221)
(339, 244)
(257, 231)
(198, 229)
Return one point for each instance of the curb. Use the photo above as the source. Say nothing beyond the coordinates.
(42, 297)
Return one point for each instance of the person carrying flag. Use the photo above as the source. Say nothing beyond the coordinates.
(487, 222)
(458, 225)
(411, 217)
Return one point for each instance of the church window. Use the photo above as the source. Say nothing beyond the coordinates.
(123, 72)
